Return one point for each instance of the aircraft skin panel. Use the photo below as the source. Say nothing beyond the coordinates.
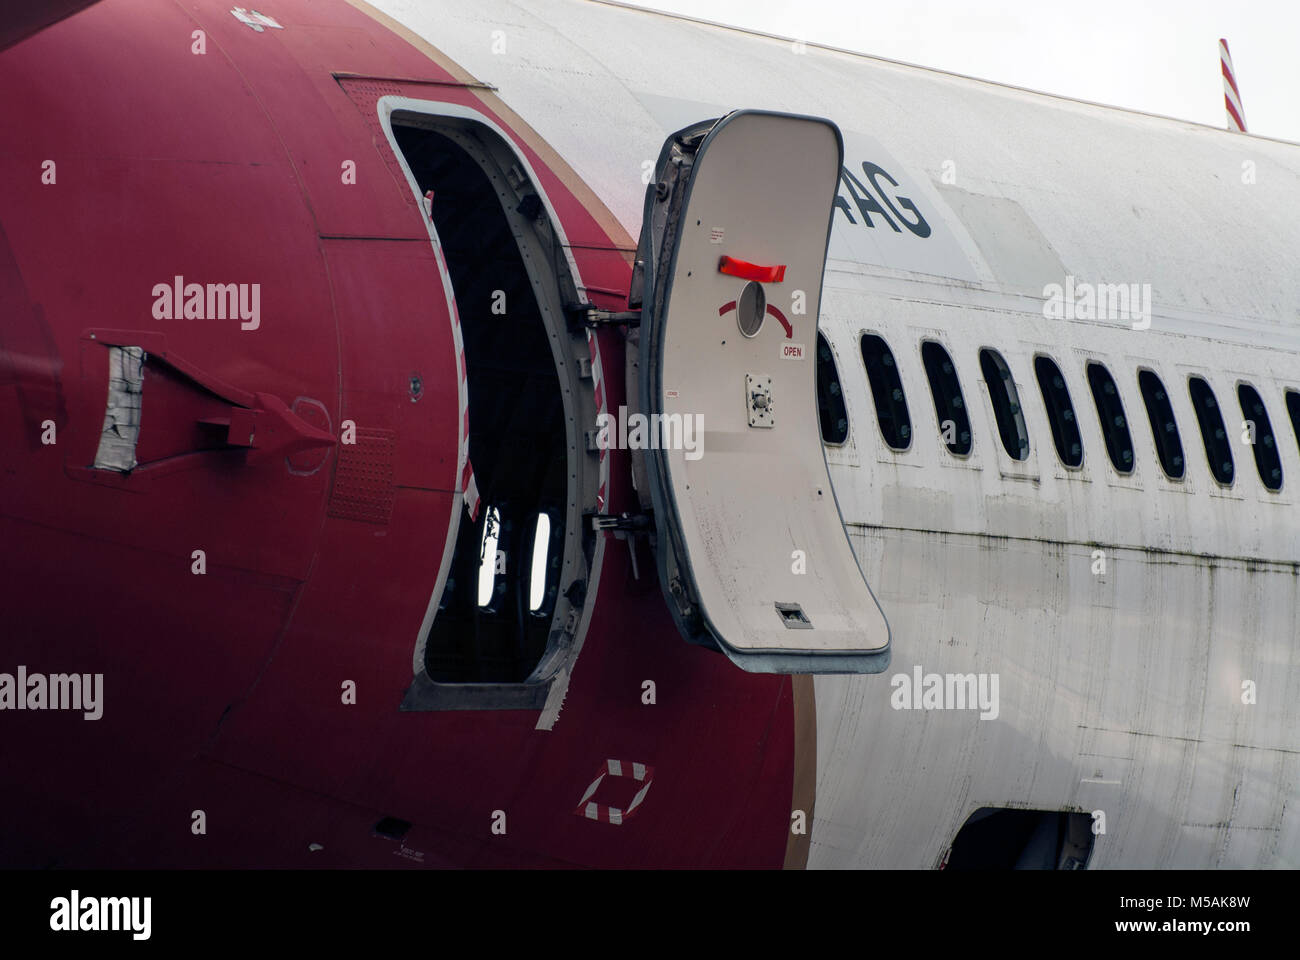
(1130, 680)
(1104, 705)
(1119, 691)
(1120, 196)
(232, 690)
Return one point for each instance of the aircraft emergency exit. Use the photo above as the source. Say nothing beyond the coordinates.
(735, 527)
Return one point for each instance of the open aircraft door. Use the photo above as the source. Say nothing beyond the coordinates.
(753, 556)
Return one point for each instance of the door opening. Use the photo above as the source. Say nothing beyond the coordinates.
(513, 589)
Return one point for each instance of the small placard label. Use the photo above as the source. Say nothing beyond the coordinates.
(716, 234)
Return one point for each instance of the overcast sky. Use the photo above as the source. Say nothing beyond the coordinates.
(1160, 56)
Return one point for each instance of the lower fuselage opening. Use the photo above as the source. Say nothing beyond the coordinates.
(998, 838)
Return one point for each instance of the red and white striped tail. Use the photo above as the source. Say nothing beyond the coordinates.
(1231, 95)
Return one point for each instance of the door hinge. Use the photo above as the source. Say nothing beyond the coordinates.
(629, 527)
(622, 521)
(588, 315)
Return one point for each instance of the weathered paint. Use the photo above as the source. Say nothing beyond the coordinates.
(222, 691)
(982, 563)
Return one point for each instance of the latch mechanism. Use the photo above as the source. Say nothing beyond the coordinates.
(758, 398)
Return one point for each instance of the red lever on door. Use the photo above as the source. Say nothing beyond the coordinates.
(751, 271)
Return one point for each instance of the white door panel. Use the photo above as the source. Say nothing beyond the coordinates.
(752, 550)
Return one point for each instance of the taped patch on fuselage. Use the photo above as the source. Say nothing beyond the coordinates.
(121, 428)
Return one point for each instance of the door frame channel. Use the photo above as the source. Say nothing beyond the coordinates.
(556, 282)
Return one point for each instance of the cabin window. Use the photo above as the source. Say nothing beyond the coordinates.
(831, 412)
(949, 405)
(1060, 411)
(1293, 408)
(1164, 428)
(490, 560)
(545, 570)
(1006, 404)
(1218, 449)
(1258, 431)
(887, 391)
(1110, 411)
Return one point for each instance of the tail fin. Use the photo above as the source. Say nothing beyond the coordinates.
(1231, 95)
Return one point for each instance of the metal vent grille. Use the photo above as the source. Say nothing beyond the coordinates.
(365, 94)
(363, 483)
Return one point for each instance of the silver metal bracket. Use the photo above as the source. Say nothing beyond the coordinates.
(758, 399)
(622, 521)
(594, 317)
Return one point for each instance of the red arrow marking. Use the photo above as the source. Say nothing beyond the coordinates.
(789, 330)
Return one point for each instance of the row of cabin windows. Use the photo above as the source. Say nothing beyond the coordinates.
(955, 429)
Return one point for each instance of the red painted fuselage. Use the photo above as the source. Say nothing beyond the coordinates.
(145, 142)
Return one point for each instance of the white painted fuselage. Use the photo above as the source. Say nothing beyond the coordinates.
(1160, 687)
